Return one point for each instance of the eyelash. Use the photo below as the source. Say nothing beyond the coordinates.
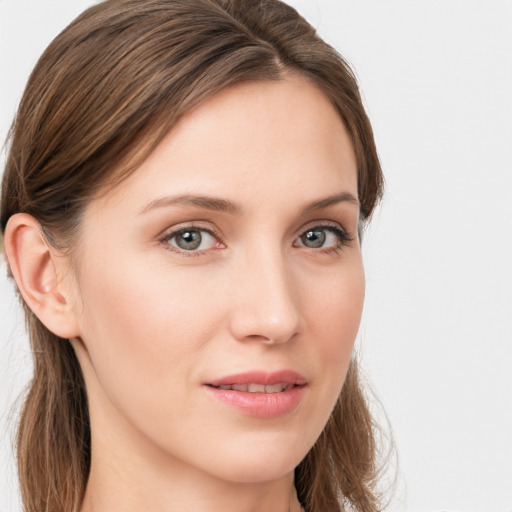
(190, 227)
(344, 238)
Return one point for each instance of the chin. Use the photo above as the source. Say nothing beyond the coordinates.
(257, 471)
(260, 459)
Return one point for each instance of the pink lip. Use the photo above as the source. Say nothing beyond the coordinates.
(261, 377)
(260, 405)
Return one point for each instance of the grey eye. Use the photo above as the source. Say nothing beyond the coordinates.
(192, 239)
(314, 238)
(322, 237)
(188, 240)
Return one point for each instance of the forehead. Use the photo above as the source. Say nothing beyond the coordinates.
(251, 139)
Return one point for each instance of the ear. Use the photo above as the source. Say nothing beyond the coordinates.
(39, 272)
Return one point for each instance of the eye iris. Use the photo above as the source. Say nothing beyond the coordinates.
(188, 240)
(313, 238)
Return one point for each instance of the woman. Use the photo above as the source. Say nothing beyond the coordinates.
(182, 208)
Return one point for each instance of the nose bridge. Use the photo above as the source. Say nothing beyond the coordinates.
(266, 305)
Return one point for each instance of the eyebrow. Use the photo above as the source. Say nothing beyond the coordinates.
(330, 201)
(224, 205)
(200, 201)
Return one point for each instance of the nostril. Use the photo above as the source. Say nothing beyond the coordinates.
(270, 340)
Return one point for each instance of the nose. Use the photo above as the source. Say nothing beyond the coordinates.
(265, 305)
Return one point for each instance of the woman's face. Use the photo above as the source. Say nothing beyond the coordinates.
(229, 258)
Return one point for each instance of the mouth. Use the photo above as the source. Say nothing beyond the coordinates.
(260, 394)
(256, 388)
(260, 381)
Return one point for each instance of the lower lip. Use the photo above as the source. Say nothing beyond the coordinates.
(260, 405)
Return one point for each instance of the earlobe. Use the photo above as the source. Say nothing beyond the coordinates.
(38, 270)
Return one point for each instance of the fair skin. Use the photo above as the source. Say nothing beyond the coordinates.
(265, 275)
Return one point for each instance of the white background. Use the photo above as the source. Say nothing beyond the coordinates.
(436, 336)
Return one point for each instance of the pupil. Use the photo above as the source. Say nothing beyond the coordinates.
(188, 240)
(314, 239)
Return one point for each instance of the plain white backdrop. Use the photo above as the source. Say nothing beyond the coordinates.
(436, 336)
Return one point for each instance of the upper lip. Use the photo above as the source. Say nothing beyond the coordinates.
(261, 377)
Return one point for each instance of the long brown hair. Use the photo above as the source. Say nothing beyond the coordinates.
(110, 86)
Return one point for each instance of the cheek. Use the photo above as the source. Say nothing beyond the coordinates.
(334, 311)
(334, 315)
(142, 330)
(141, 304)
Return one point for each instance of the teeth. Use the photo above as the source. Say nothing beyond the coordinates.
(275, 388)
(257, 388)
